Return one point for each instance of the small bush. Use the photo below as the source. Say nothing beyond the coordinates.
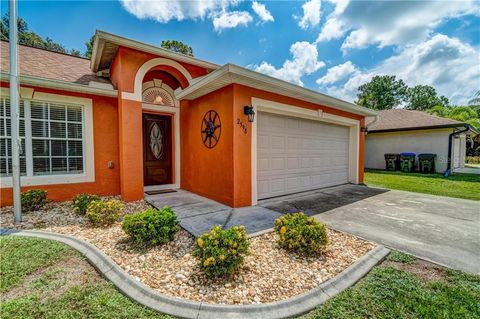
(221, 252)
(33, 199)
(101, 213)
(152, 226)
(401, 257)
(81, 202)
(300, 233)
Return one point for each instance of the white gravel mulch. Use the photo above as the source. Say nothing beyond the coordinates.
(269, 273)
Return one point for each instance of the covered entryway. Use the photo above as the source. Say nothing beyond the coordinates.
(296, 154)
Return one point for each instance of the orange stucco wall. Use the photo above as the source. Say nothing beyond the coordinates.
(105, 129)
(124, 68)
(131, 149)
(243, 96)
(208, 172)
(127, 62)
(224, 172)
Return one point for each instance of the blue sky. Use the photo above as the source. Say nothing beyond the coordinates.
(331, 46)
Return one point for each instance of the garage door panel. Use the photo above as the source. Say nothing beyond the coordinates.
(295, 155)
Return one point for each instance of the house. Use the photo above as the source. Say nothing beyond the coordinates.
(138, 118)
(401, 130)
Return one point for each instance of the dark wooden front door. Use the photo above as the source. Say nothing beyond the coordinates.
(157, 149)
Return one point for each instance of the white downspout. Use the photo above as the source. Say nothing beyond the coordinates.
(375, 120)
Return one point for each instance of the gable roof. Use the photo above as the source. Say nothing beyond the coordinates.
(106, 45)
(402, 120)
(46, 64)
(230, 73)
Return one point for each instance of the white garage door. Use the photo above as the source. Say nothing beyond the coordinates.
(295, 155)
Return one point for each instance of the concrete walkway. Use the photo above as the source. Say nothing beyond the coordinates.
(198, 214)
(440, 229)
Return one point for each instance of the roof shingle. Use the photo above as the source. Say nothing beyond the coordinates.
(50, 65)
(400, 119)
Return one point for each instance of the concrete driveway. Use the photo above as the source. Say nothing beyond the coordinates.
(443, 230)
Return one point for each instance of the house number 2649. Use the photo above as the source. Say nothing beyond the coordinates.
(242, 125)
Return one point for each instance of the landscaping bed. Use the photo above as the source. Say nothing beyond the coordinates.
(269, 273)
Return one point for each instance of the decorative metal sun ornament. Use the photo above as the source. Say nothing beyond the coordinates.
(156, 140)
(211, 129)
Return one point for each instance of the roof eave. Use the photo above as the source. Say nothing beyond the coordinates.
(101, 37)
(232, 73)
(419, 128)
(60, 85)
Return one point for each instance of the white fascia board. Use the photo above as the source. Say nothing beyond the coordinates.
(210, 78)
(61, 85)
(230, 73)
(133, 44)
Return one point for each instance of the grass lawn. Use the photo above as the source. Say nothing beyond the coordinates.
(46, 279)
(403, 287)
(458, 185)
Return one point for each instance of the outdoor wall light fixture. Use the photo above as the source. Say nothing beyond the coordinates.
(364, 130)
(248, 111)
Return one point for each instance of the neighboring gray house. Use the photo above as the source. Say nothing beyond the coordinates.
(400, 130)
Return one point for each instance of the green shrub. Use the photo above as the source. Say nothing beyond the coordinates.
(221, 252)
(81, 202)
(300, 233)
(101, 213)
(33, 199)
(472, 160)
(152, 226)
(400, 257)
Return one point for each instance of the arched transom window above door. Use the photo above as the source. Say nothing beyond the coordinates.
(159, 93)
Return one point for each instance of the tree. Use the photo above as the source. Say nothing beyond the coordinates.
(30, 38)
(382, 92)
(75, 52)
(475, 101)
(467, 114)
(51, 45)
(424, 97)
(89, 45)
(177, 46)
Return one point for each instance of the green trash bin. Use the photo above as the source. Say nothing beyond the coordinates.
(407, 162)
(392, 162)
(426, 162)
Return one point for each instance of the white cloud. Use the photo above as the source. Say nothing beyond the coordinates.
(385, 23)
(228, 20)
(262, 12)
(311, 14)
(338, 73)
(332, 29)
(304, 62)
(216, 10)
(164, 11)
(445, 63)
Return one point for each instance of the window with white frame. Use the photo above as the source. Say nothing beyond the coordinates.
(52, 137)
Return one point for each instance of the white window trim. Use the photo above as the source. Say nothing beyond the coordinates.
(88, 161)
(261, 105)
(176, 131)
